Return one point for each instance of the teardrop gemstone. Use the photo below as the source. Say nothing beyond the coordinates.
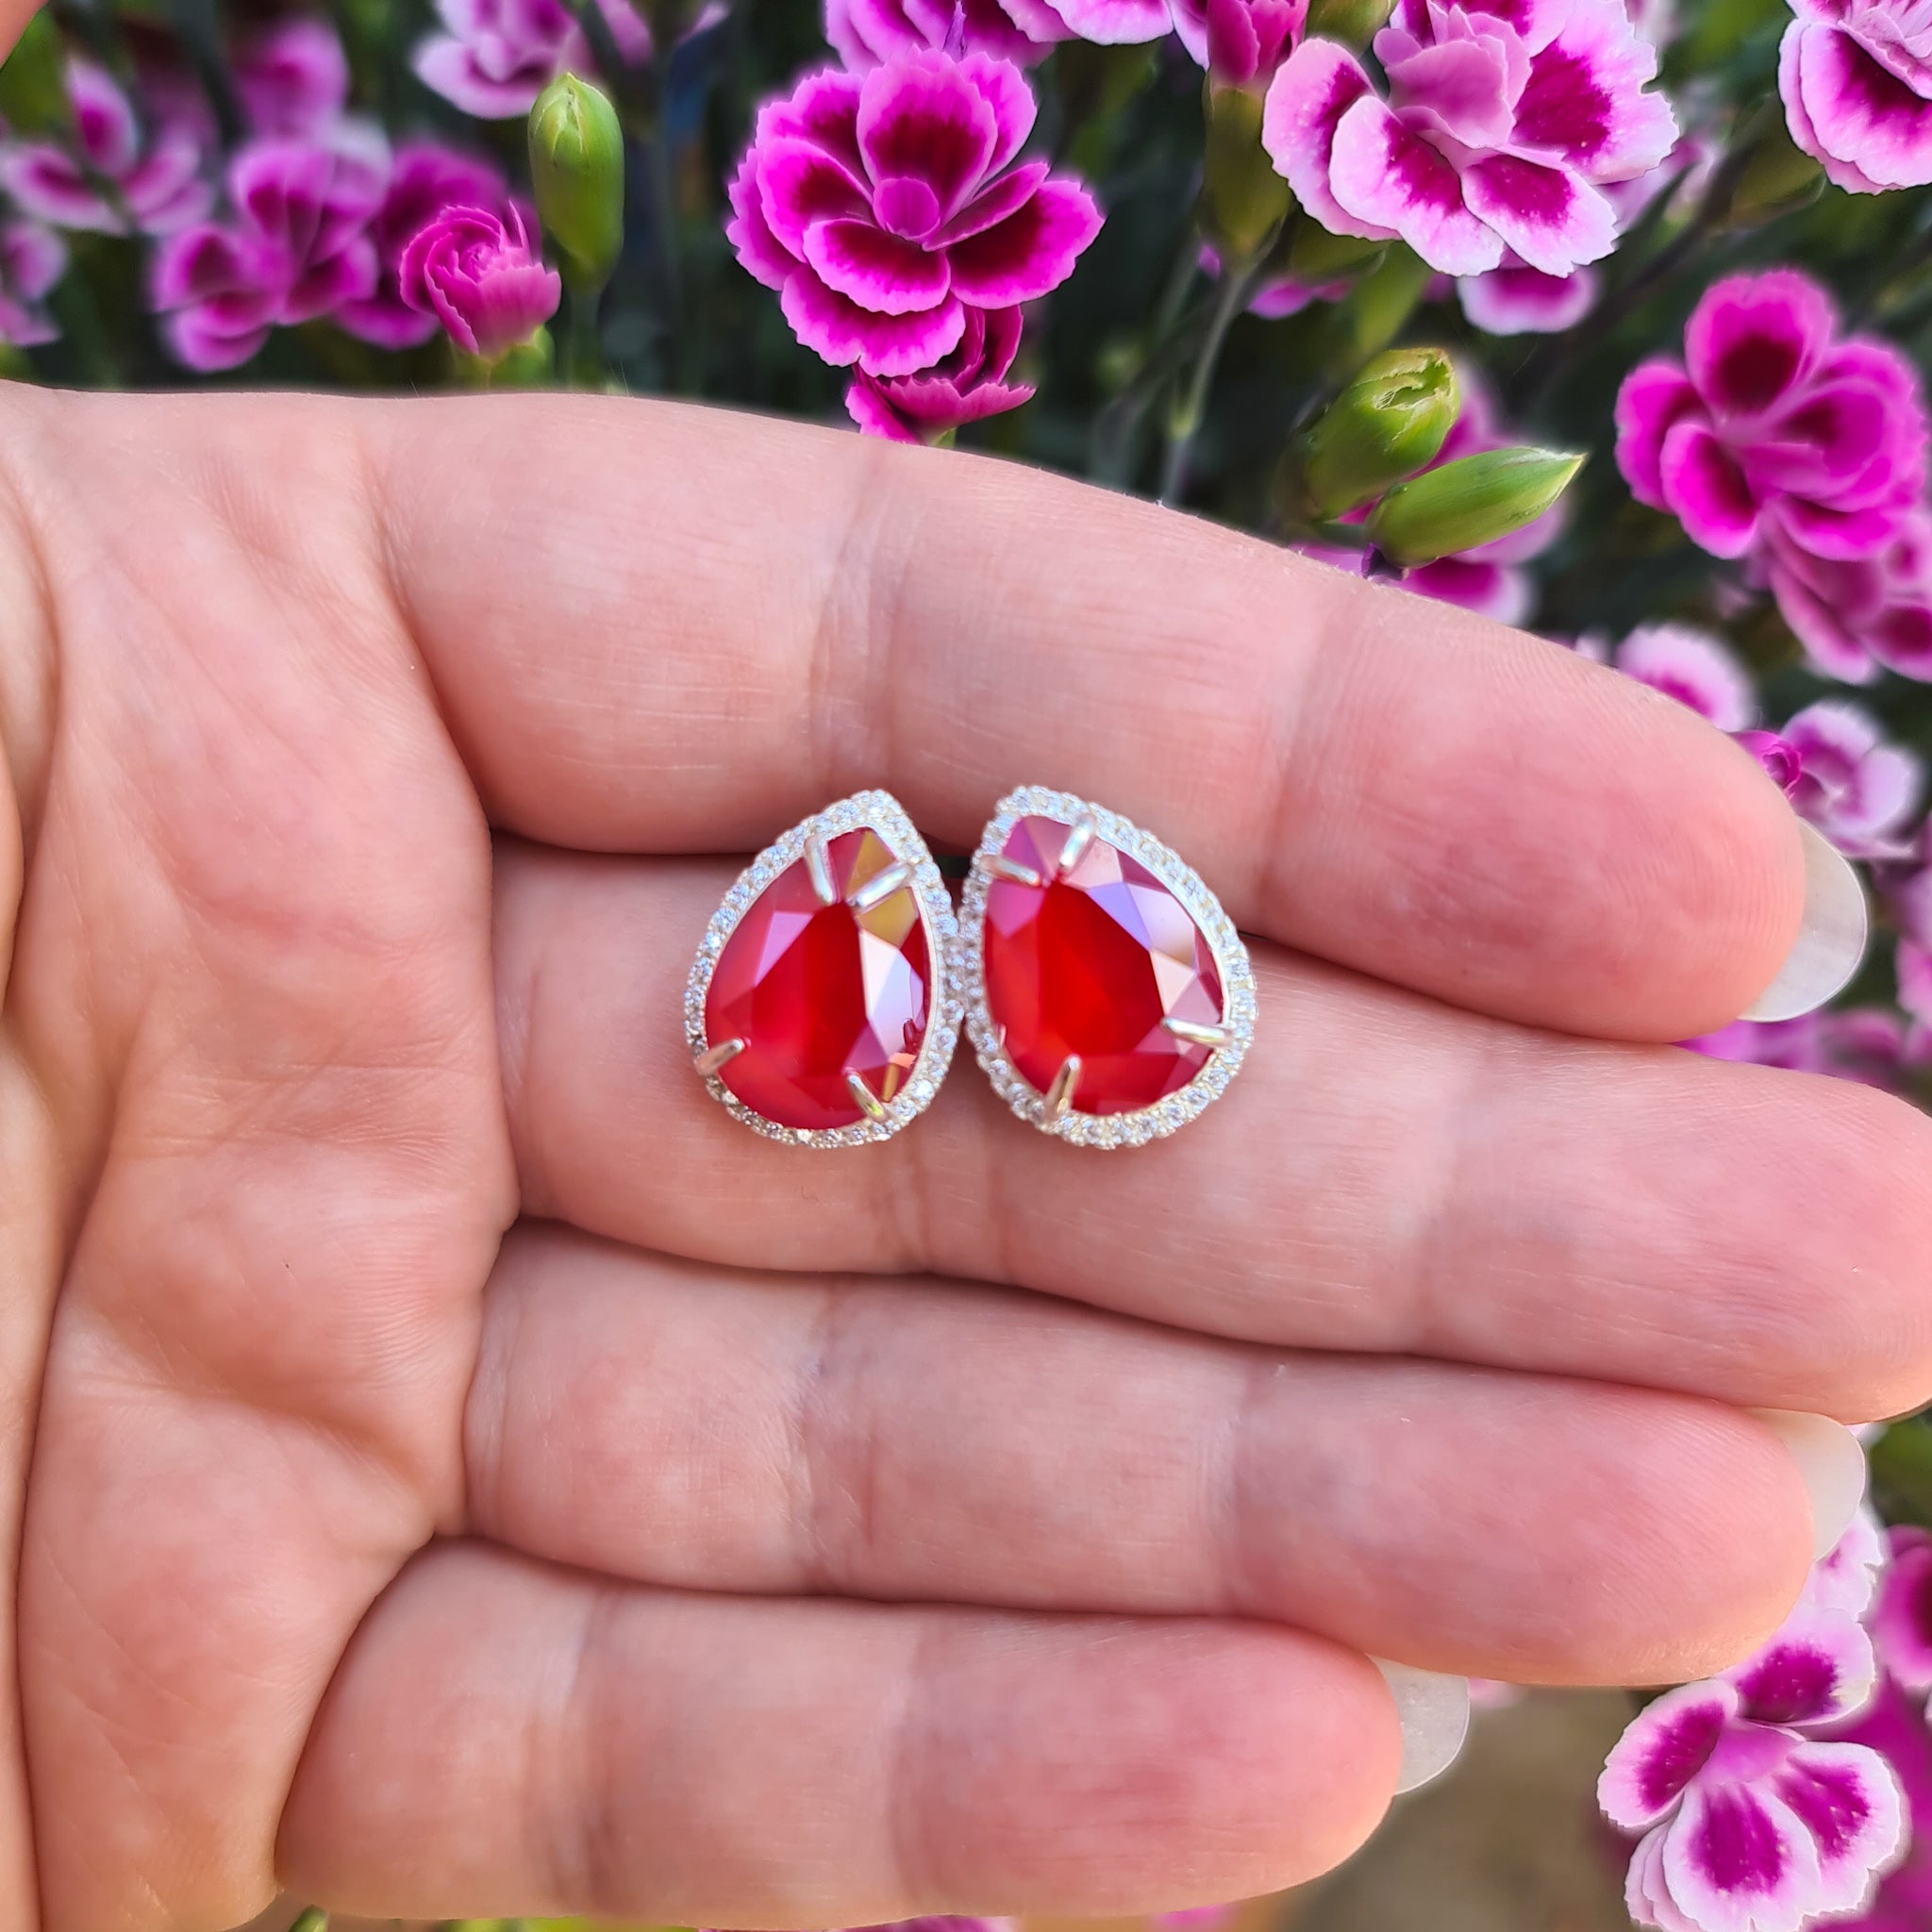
(1094, 962)
(819, 992)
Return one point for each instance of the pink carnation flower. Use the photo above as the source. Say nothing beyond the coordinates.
(292, 78)
(1856, 82)
(1862, 1043)
(426, 179)
(964, 387)
(1858, 616)
(476, 272)
(1845, 1581)
(1240, 42)
(883, 207)
(1502, 125)
(296, 247)
(32, 261)
(1749, 1824)
(1902, 1619)
(1688, 664)
(1894, 1727)
(121, 178)
(866, 33)
(495, 57)
(1771, 428)
(1858, 790)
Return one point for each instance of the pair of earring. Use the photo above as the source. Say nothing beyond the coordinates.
(1106, 992)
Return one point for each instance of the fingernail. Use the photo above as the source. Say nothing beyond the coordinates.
(1831, 938)
(1832, 1461)
(1434, 1714)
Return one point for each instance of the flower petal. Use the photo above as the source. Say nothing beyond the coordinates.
(1752, 339)
(1901, 1621)
(1703, 485)
(1031, 252)
(1554, 220)
(1859, 114)
(1846, 1579)
(922, 117)
(799, 184)
(1585, 98)
(1655, 396)
(1116, 22)
(1514, 301)
(879, 272)
(1819, 1665)
(1388, 176)
(1696, 668)
(1735, 1859)
(995, 203)
(1317, 85)
(1662, 1749)
(1848, 1798)
(843, 333)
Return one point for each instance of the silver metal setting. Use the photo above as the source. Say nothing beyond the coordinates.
(1053, 1113)
(881, 812)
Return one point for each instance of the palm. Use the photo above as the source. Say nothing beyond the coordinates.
(424, 1570)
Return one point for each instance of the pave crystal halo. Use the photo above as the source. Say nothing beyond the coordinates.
(1107, 995)
(825, 1002)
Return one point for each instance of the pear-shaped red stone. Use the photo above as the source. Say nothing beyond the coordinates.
(821, 992)
(1094, 962)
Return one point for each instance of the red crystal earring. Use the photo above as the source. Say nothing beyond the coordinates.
(1107, 995)
(824, 1006)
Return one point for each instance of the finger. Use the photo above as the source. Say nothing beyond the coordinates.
(656, 629)
(922, 1440)
(506, 1738)
(1386, 1175)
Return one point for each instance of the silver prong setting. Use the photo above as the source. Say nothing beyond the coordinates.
(881, 813)
(1059, 1096)
(998, 866)
(1052, 1112)
(1075, 850)
(1196, 1033)
(818, 863)
(867, 1102)
(880, 887)
(715, 1059)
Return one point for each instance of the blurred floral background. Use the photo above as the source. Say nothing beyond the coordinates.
(1605, 317)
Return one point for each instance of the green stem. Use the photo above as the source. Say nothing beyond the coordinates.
(1113, 432)
(1238, 281)
(583, 353)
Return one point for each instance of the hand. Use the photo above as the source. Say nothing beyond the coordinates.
(457, 1468)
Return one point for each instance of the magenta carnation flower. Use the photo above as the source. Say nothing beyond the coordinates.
(1901, 1618)
(883, 207)
(1773, 428)
(493, 58)
(426, 179)
(1857, 616)
(1856, 82)
(115, 178)
(964, 387)
(476, 272)
(1867, 1044)
(865, 33)
(32, 261)
(1894, 1727)
(1502, 127)
(292, 78)
(296, 247)
(1749, 1824)
(1689, 665)
(1858, 790)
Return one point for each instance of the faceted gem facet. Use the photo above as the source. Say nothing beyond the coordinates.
(1093, 961)
(818, 993)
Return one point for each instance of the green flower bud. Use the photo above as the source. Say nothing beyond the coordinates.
(313, 1920)
(1388, 423)
(33, 81)
(1244, 200)
(1353, 23)
(577, 167)
(1468, 502)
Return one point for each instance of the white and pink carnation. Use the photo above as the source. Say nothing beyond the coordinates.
(1502, 127)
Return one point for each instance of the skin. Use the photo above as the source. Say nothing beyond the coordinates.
(450, 1466)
